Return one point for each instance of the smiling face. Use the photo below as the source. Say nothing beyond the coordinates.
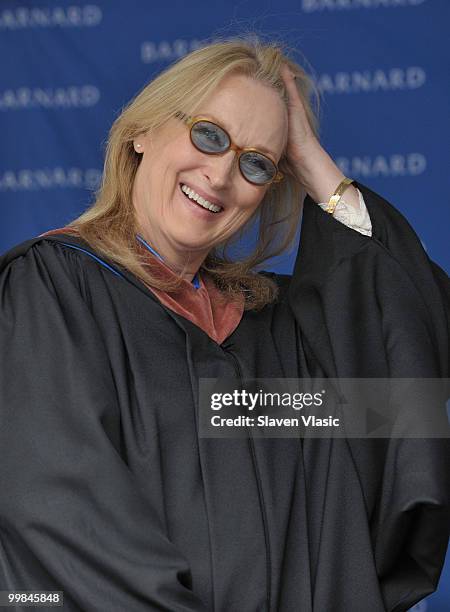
(178, 228)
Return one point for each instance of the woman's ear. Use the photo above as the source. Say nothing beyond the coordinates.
(143, 142)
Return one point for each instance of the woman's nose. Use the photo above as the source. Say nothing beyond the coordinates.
(221, 168)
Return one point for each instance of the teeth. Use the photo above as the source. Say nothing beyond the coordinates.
(192, 195)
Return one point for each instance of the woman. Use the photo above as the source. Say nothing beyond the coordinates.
(107, 326)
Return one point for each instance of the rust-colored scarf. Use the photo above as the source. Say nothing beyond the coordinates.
(207, 307)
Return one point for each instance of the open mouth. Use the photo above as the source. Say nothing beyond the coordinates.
(195, 198)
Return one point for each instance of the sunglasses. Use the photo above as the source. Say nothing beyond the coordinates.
(208, 137)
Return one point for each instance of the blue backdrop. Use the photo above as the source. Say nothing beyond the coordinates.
(382, 67)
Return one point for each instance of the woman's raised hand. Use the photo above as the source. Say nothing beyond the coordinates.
(301, 134)
(311, 164)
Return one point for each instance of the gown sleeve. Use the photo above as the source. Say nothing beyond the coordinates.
(377, 307)
(72, 517)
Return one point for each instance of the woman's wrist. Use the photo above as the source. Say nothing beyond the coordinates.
(320, 176)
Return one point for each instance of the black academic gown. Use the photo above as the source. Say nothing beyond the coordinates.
(109, 494)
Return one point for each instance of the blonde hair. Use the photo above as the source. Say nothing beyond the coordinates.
(109, 226)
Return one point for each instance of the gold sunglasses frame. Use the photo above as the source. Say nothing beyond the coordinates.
(191, 121)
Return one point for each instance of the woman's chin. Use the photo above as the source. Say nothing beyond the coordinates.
(190, 235)
(190, 243)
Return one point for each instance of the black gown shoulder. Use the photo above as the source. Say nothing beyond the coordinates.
(73, 517)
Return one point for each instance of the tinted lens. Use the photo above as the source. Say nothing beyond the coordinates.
(209, 137)
(257, 168)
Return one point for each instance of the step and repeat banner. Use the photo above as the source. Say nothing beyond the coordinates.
(381, 66)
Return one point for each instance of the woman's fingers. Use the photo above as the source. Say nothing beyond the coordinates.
(300, 133)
